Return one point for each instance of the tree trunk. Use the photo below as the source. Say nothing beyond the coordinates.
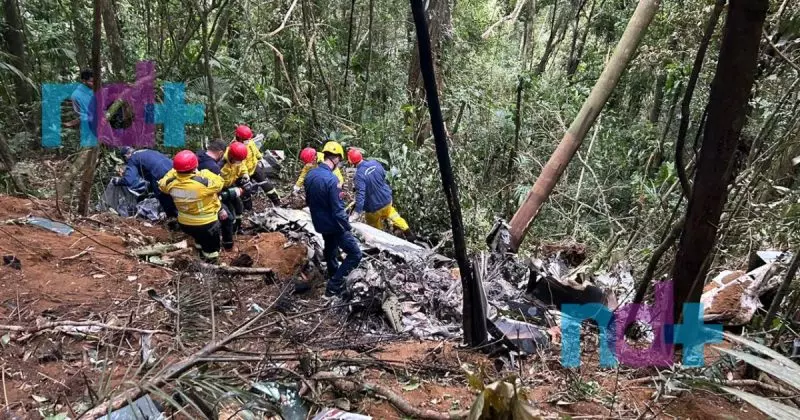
(511, 172)
(440, 22)
(114, 39)
(14, 35)
(574, 49)
(7, 159)
(680, 142)
(557, 33)
(78, 31)
(730, 91)
(369, 62)
(220, 30)
(591, 108)
(212, 101)
(474, 316)
(349, 44)
(658, 97)
(90, 164)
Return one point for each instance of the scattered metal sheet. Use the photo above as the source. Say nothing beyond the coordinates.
(759, 258)
(336, 414)
(526, 337)
(276, 218)
(142, 409)
(57, 227)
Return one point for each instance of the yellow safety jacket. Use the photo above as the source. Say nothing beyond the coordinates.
(253, 156)
(230, 172)
(309, 166)
(196, 195)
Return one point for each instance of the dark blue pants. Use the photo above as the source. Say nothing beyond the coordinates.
(336, 273)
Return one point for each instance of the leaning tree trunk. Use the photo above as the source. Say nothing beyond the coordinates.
(727, 106)
(114, 38)
(573, 138)
(14, 35)
(90, 164)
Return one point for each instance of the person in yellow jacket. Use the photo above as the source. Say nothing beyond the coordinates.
(234, 174)
(196, 196)
(311, 158)
(255, 168)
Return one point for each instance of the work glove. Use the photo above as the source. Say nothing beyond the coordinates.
(295, 189)
(355, 216)
(115, 180)
(223, 215)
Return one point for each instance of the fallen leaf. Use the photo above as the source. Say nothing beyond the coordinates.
(38, 399)
(5, 339)
(132, 278)
(98, 276)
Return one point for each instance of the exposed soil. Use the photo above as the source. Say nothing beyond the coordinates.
(88, 276)
(271, 250)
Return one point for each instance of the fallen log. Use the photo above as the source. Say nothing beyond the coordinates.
(348, 384)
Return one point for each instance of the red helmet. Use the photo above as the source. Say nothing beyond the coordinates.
(237, 151)
(244, 132)
(354, 156)
(308, 155)
(185, 161)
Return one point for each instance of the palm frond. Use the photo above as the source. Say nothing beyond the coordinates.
(775, 364)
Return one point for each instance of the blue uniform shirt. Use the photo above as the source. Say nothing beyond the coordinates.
(372, 191)
(322, 197)
(148, 164)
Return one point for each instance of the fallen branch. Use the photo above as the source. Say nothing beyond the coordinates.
(348, 384)
(242, 271)
(731, 382)
(78, 255)
(30, 330)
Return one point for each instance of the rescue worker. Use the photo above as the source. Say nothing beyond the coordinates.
(151, 166)
(373, 194)
(210, 158)
(330, 220)
(311, 158)
(83, 102)
(234, 174)
(255, 167)
(196, 196)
